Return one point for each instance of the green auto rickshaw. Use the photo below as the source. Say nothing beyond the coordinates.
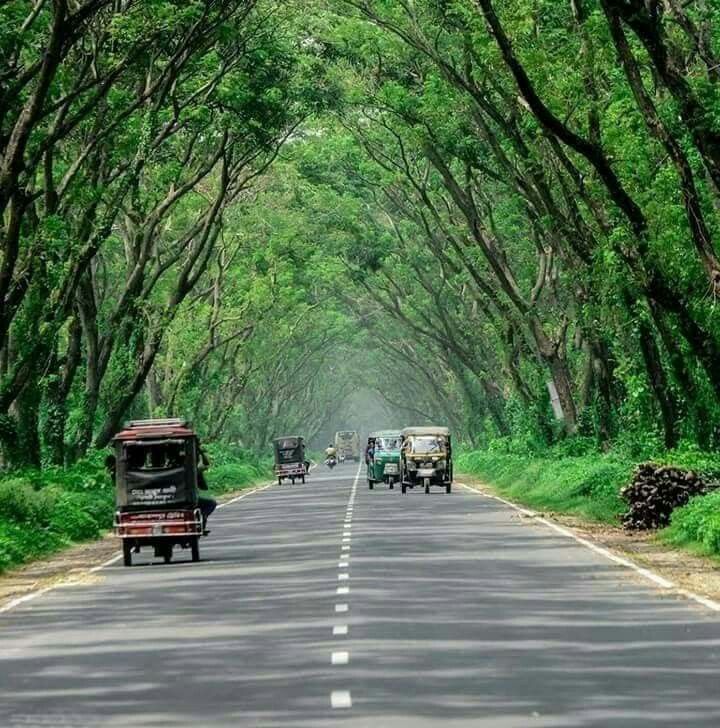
(383, 458)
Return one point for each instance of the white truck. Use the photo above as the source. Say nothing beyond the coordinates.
(347, 444)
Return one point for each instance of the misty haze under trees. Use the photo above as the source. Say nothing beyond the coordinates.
(277, 216)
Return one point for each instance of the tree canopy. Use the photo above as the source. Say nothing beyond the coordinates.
(263, 214)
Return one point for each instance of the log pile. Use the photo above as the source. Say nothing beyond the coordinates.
(655, 491)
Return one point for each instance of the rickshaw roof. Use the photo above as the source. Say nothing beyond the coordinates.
(154, 429)
(386, 433)
(289, 437)
(420, 431)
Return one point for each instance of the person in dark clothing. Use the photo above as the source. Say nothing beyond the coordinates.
(206, 505)
(111, 466)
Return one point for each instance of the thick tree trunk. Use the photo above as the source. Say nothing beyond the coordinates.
(552, 353)
(26, 411)
(56, 396)
(659, 384)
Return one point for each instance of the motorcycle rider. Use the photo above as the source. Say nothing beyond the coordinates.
(330, 453)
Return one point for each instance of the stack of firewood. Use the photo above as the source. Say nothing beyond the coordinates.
(655, 491)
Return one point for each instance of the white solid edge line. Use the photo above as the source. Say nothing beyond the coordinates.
(340, 699)
(648, 574)
(78, 579)
(245, 495)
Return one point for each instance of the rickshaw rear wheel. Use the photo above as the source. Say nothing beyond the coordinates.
(371, 485)
(167, 553)
(427, 488)
(448, 488)
(392, 485)
(403, 488)
(195, 549)
(127, 552)
(279, 481)
(302, 479)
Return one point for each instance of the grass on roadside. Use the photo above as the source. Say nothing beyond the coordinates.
(585, 485)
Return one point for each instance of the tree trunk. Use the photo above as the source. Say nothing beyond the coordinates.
(659, 384)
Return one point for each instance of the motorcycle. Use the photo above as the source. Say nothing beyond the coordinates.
(331, 462)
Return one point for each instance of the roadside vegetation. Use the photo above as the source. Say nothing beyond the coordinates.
(584, 484)
(498, 216)
(575, 478)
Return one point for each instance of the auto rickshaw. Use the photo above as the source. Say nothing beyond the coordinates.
(383, 462)
(290, 459)
(426, 458)
(156, 480)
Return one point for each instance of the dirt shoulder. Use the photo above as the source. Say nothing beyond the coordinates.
(71, 565)
(687, 571)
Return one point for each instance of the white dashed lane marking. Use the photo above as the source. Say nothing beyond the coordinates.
(340, 699)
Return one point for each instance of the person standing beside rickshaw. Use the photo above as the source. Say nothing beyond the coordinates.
(206, 505)
(173, 457)
(370, 451)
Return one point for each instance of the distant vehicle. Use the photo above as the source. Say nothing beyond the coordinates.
(347, 444)
(384, 464)
(426, 458)
(290, 458)
(156, 480)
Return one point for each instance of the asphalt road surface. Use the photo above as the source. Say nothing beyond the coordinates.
(325, 605)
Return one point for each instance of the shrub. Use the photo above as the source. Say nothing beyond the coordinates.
(20, 502)
(697, 524)
(71, 519)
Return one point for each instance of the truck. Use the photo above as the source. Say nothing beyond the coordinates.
(347, 445)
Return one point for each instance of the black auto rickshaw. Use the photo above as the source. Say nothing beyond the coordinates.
(290, 459)
(157, 488)
(426, 458)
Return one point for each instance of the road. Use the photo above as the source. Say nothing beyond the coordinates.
(324, 605)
